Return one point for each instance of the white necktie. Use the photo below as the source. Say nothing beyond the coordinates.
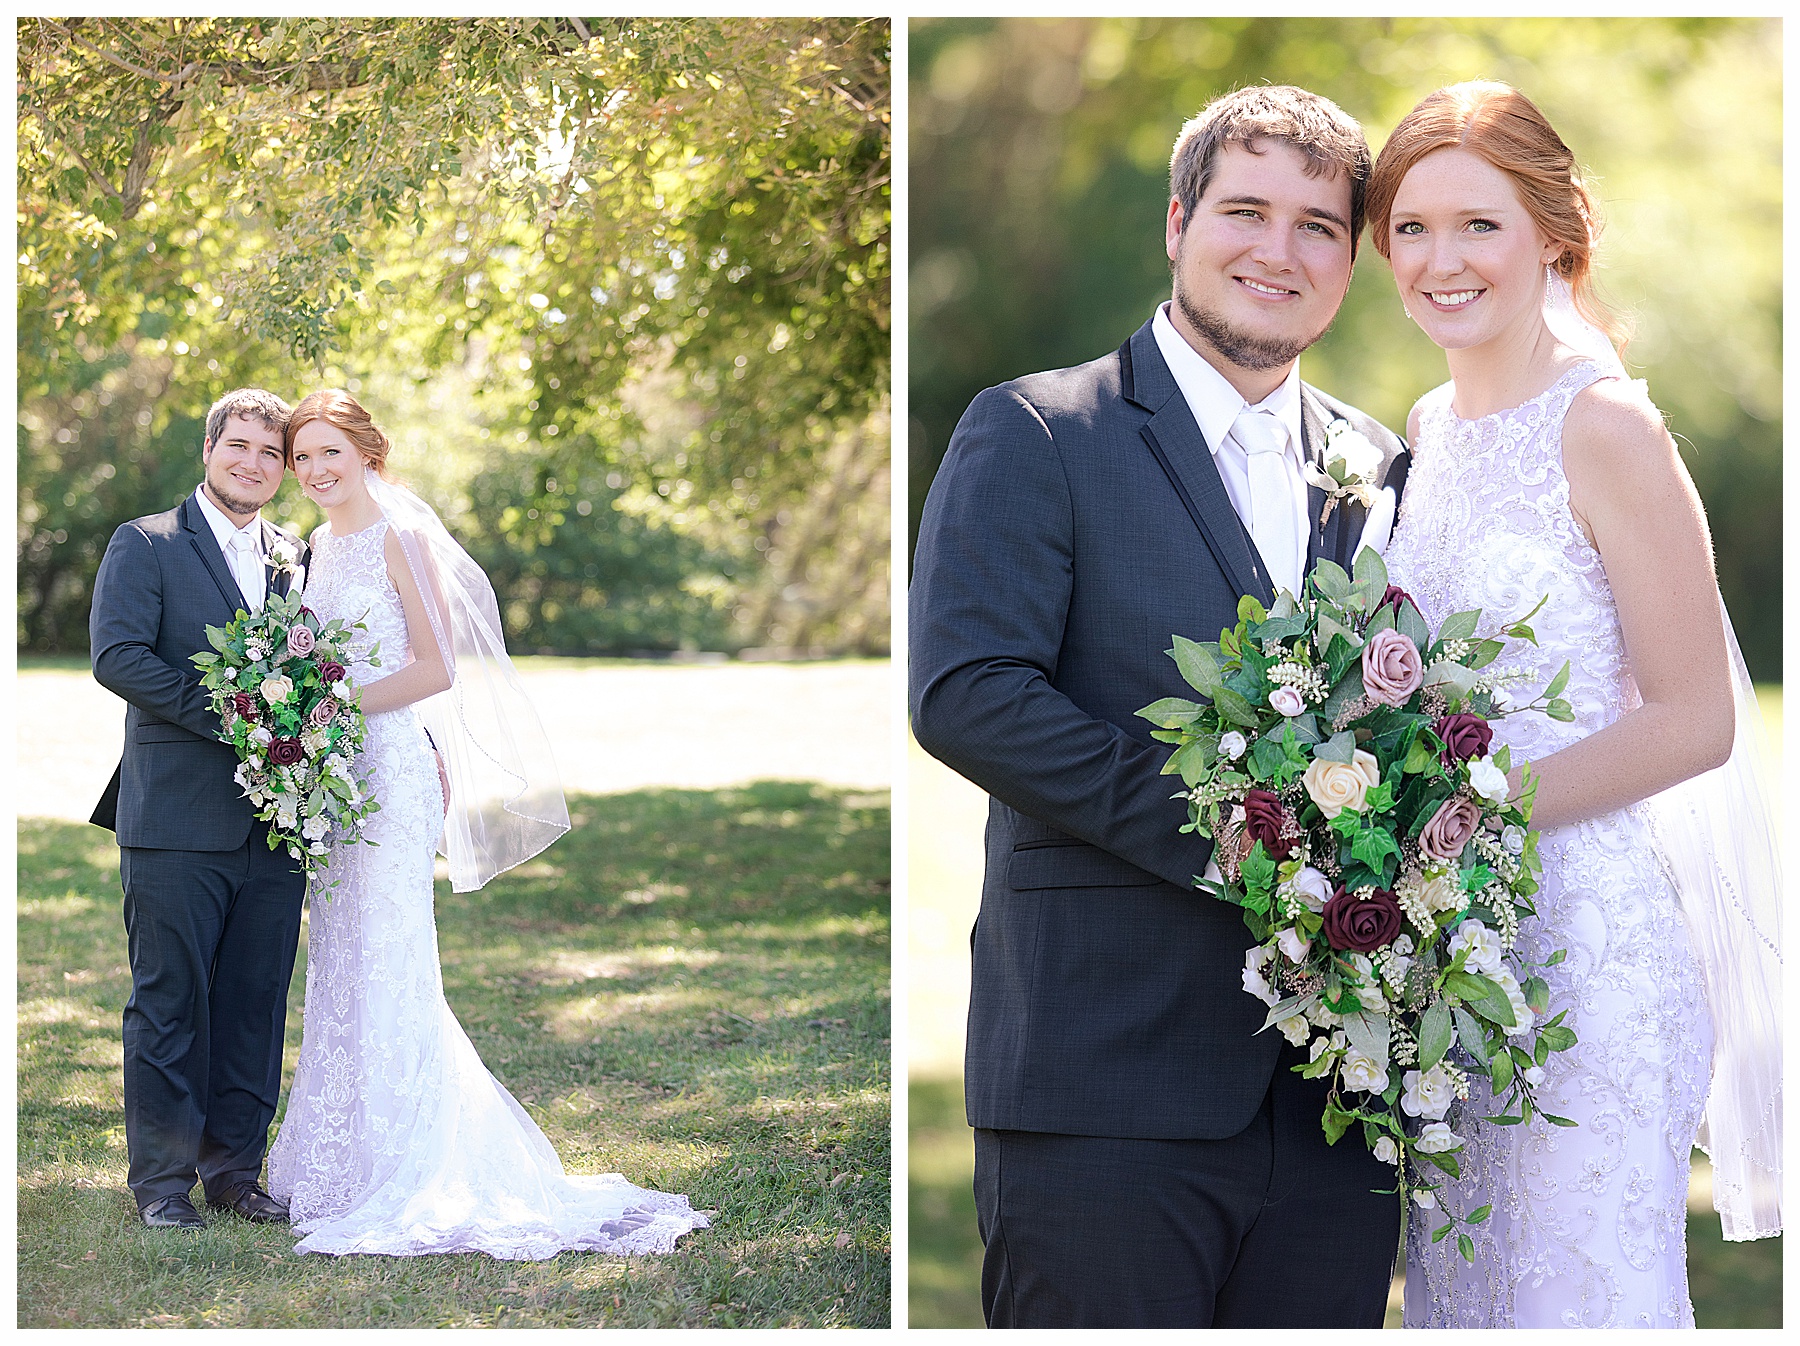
(247, 568)
(1274, 525)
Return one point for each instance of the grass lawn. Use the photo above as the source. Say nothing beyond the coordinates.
(691, 988)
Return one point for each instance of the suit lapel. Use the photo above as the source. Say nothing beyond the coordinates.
(201, 535)
(276, 579)
(1347, 516)
(1174, 438)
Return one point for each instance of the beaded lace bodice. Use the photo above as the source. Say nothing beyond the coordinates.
(1589, 1223)
(396, 1139)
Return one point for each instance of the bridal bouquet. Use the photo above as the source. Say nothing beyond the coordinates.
(1343, 764)
(280, 688)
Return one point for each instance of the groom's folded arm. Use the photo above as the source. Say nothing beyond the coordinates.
(123, 626)
(992, 581)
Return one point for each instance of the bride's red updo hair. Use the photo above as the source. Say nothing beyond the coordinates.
(1505, 128)
(337, 407)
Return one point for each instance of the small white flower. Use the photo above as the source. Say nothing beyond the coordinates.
(1363, 1072)
(315, 827)
(1387, 1151)
(1292, 943)
(1534, 1075)
(1424, 1201)
(1311, 887)
(261, 736)
(1438, 1138)
(1232, 745)
(1427, 1094)
(1483, 946)
(1254, 960)
(1294, 1028)
(1512, 837)
(1321, 1045)
(1286, 701)
(1487, 780)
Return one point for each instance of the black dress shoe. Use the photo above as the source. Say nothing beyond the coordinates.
(172, 1212)
(252, 1203)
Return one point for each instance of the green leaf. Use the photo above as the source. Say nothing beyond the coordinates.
(1537, 994)
(1466, 1246)
(1556, 958)
(1413, 627)
(1560, 681)
(1560, 710)
(1340, 747)
(1370, 572)
(1479, 1214)
(1372, 844)
(1554, 1120)
(1199, 668)
(1187, 761)
(1329, 579)
(1442, 1232)
(1459, 625)
(1172, 712)
(1336, 1121)
(1234, 707)
(1500, 1071)
(1559, 1037)
(1250, 610)
(1434, 1034)
(1485, 652)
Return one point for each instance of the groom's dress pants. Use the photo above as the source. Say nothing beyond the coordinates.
(1271, 1227)
(212, 938)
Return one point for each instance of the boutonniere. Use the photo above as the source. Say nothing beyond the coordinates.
(285, 560)
(1346, 468)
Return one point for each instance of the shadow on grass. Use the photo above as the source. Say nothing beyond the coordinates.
(1733, 1284)
(691, 988)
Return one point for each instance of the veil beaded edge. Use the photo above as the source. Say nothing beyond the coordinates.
(1717, 839)
(506, 800)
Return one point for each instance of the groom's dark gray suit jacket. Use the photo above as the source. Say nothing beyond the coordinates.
(162, 582)
(1076, 524)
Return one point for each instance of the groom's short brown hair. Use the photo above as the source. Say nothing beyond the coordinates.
(255, 404)
(1329, 137)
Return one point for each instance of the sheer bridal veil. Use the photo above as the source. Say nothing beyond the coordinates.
(1717, 835)
(506, 802)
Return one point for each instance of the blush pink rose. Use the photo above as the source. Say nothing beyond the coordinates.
(1392, 669)
(301, 641)
(322, 713)
(1450, 828)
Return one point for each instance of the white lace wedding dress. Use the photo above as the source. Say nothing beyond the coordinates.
(396, 1139)
(1589, 1224)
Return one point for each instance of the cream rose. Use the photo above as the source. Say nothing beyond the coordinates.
(1336, 786)
(276, 689)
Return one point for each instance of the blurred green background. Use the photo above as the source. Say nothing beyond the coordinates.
(1039, 177)
(617, 289)
(1039, 180)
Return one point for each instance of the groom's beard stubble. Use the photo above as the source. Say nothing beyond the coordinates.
(1239, 347)
(234, 503)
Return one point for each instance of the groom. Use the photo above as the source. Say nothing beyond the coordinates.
(1144, 1157)
(212, 915)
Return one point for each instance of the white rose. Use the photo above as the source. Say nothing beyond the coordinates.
(1387, 1151)
(1336, 786)
(1352, 448)
(1534, 1075)
(315, 827)
(1294, 1028)
(1487, 780)
(1438, 1138)
(1286, 701)
(262, 736)
(1363, 1072)
(1428, 1094)
(276, 688)
(1321, 1045)
(1292, 943)
(1232, 745)
(1512, 837)
(1311, 887)
(1254, 982)
(1483, 946)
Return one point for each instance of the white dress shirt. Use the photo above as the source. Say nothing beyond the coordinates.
(243, 550)
(1216, 406)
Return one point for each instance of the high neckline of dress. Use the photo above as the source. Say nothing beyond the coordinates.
(1463, 423)
(345, 537)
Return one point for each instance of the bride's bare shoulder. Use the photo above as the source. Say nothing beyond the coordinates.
(1613, 426)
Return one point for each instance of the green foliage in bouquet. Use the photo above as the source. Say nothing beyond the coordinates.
(280, 684)
(1342, 762)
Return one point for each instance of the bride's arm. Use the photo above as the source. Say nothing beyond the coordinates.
(429, 672)
(1635, 501)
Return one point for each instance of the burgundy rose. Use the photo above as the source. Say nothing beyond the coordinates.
(331, 670)
(1391, 667)
(245, 705)
(1263, 821)
(1450, 828)
(1393, 596)
(322, 713)
(286, 751)
(300, 641)
(1361, 924)
(1464, 735)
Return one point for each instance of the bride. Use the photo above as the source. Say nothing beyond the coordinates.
(396, 1139)
(1540, 470)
